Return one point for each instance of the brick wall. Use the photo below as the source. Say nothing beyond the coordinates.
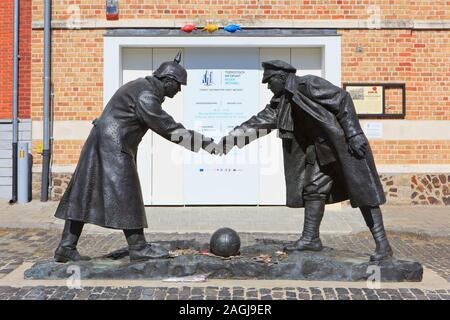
(6, 58)
(419, 58)
(65, 152)
(6, 38)
(77, 74)
(411, 151)
(251, 10)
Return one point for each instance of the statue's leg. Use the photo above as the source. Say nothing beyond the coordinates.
(139, 248)
(67, 248)
(310, 238)
(374, 220)
(317, 188)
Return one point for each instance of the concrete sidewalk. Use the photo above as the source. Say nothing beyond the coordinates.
(427, 220)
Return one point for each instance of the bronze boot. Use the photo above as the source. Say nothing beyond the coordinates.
(67, 248)
(140, 249)
(374, 220)
(310, 239)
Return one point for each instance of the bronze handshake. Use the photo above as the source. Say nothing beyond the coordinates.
(224, 146)
(236, 137)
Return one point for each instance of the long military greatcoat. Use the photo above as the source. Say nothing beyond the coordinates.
(325, 113)
(105, 188)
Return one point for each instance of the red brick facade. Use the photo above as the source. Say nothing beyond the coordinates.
(251, 10)
(419, 58)
(6, 58)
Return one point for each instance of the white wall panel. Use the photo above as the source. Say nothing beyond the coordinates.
(223, 93)
(136, 63)
(272, 187)
(167, 172)
(307, 61)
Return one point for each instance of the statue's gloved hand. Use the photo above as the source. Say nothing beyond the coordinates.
(358, 146)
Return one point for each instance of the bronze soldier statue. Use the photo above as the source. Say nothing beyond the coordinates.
(104, 189)
(327, 157)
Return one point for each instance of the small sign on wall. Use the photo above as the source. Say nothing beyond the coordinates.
(370, 100)
(367, 99)
(373, 130)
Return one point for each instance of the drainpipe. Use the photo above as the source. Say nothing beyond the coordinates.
(15, 126)
(46, 153)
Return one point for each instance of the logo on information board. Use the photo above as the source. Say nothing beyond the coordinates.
(374, 90)
(207, 79)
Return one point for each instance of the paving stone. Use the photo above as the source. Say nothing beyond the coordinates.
(291, 294)
(278, 295)
(342, 291)
(148, 291)
(304, 296)
(383, 296)
(315, 290)
(265, 291)
(355, 290)
(416, 291)
(98, 289)
(172, 291)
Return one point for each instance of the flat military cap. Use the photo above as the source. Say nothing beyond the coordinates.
(274, 67)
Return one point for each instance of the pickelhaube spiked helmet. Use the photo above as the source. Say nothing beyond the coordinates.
(172, 69)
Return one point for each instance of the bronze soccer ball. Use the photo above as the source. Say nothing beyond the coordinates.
(225, 242)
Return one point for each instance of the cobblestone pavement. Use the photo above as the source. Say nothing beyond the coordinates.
(218, 293)
(30, 245)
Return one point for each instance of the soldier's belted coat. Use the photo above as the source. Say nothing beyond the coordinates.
(105, 188)
(328, 114)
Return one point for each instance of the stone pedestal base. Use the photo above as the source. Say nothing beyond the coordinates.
(263, 260)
